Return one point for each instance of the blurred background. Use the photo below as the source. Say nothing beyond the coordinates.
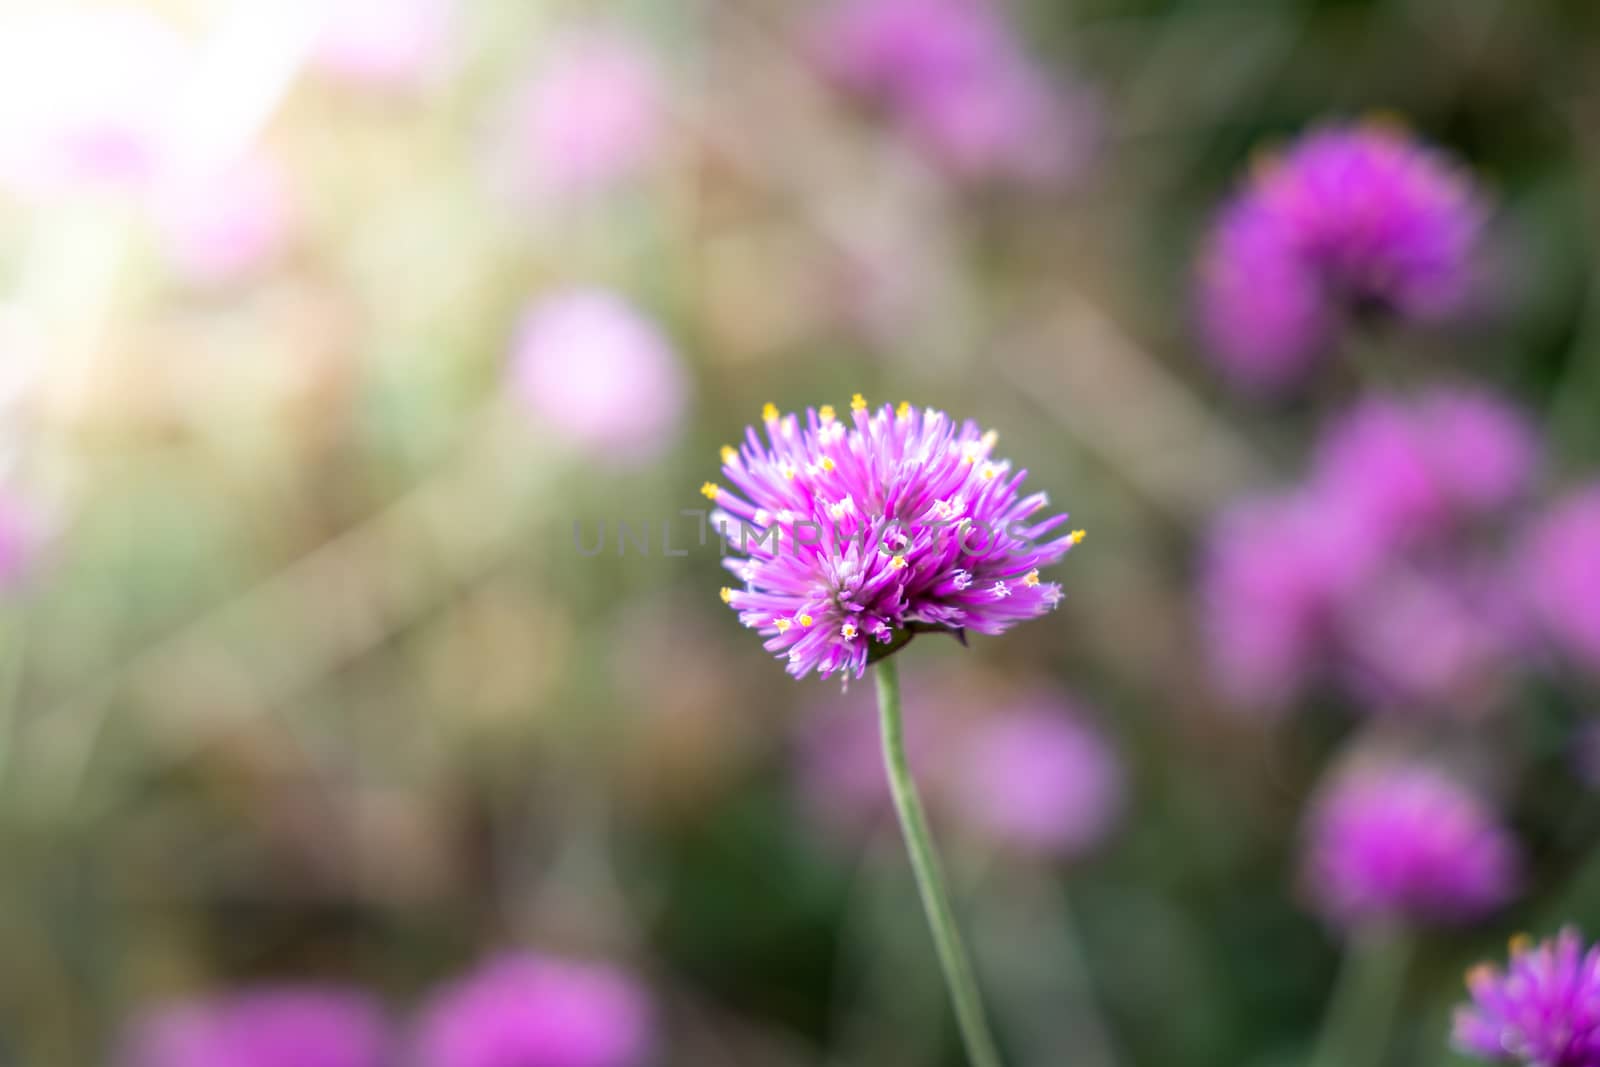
(333, 335)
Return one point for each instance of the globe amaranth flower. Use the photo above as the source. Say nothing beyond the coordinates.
(600, 374)
(391, 46)
(588, 118)
(1023, 769)
(1543, 1010)
(1380, 571)
(1413, 469)
(957, 79)
(1559, 567)
(857, 534)
(525, 1010)
(1349, 218)
(307, 1026)
(1404, 842)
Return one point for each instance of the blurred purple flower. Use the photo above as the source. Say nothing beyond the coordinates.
(21, 536)
(1037, 777)
(386, 45)
(1028, 771)
(1543, 1010)
(916, 524)
(1432, 638)
(1559, 567)
(1404, 842)
(956, 76)
(590, 365)
(525, 1010)
(589, 117)
(1412, 469)
(1350, 217)
(87, 98)
(275, 1027)
(223, 225)
(1273, 575)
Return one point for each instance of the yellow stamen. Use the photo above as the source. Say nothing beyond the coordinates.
(728, 455)
(825, 413)
(1031, 578)
(727, 595)
(782, 625)
(848, 630)
(858, 403)
(989, 471)
(769, 413)
(789, 471)
(805, 620)
(1077, 536)
(904, 410)
(710, 490)
(827, 464)
(899, 563)
(1520, 943)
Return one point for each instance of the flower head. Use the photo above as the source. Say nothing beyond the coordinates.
(1351, 217)
(1024, 769)
(88, 98)
(956, 77)
(536, 1011)
(1039, 778)
(222, 225)
(1543, 1010)
(937, 537)
(304, 1026)
(1559, 566)
(386, 45)
(600, 373)
(1413, 469)
(588, 118)
(1405, 842)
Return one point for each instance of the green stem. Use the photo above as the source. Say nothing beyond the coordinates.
(1361, 1011)
(958, 974)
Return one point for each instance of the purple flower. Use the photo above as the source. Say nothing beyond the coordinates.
(1413, 469)
(600, 373)
(21, 537)
(1350, 217)
(304, 1026)
(1367, 573)
(1559, 564)
(1421, 637)
(1275, 571)
(859, 534)
(1023, 770)
(386, 45)
(1037, 777)
(88, 99)
(589, 117)
(219, 226)
(537, 1011)
(957, 79)
(1389, 842)
(1543, 1010)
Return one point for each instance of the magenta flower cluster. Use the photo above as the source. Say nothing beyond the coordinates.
(1385, 572)
(1406, 843)
(1026, 770)
(876, 525)
(956, 78)
(1350, 218)
(519, 1010)
(1542, 1010)
(308, 1026)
